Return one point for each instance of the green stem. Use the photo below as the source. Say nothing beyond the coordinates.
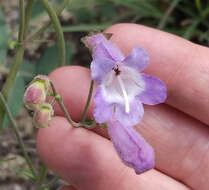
(43, 175)
(83, 118)
(18, 59)
(24, 21)
(28, 12)
(17, 134)
(45, 27)
(199, 6)
(59, 100)
(60, 37)
(86, 27)
(51, 183)
(168, 12)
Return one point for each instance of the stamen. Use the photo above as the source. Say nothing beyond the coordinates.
(125, 95)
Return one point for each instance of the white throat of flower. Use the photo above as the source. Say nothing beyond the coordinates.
(125, 95)
(121, 85)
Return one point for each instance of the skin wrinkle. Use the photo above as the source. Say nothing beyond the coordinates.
(199, 166)
(190, 150)
(119, 180)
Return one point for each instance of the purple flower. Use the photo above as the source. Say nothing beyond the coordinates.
(131, 147)
(118, 101)
(122, 88)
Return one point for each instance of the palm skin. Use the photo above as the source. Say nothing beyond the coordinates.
(177, 130)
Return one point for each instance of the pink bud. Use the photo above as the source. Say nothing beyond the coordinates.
(43, 116)
(36, 93)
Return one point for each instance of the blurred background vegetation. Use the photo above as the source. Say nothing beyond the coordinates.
(186, 18)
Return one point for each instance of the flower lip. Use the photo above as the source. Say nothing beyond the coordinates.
(121, 85)
(131, 147)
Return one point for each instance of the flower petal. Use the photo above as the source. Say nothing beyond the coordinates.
(100, 67)
(133, 117)
(96, 39)
(155, 90)
(138, 59)
(103, 111)
(133, 150)
(107, 50)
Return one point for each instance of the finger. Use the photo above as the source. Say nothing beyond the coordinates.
(67, 88)
(180, 143)
(161, 129)
(89, 161)
(73, 83)
(182, 65)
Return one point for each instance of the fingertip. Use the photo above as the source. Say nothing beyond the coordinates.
(129, 35)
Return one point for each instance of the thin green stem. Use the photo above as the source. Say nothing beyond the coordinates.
(42, 177)
(188, 33)
(83, 118)
(199, 6)
(28, 12)
(17, 134)
(60, 37)
(205, 12)
(86, 27)
(46, 26)
(59, 100)
(18, 59)
(24, 22)
(168, 12)
(51, 183)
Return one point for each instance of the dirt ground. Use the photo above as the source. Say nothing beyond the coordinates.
(10, 179)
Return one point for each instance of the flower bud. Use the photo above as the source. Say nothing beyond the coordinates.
(36, 92)
(43, 115)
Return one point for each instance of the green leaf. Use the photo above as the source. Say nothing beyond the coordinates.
(191, 29)
(7, 160)
(4, 37)
(38, 11)
(15, 100)
(49, 60)
(27, 70)
(85, 27)
(26, 173)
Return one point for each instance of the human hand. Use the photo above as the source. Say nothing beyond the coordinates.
(177, 130)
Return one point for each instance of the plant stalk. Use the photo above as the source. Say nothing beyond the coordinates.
(28, 12)
(59, 100)
(58, 29)
(168, 12)
(25, 15)
(42, 177)
(83, 118)
(46, 26)
(17, 61)
(17, 134)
